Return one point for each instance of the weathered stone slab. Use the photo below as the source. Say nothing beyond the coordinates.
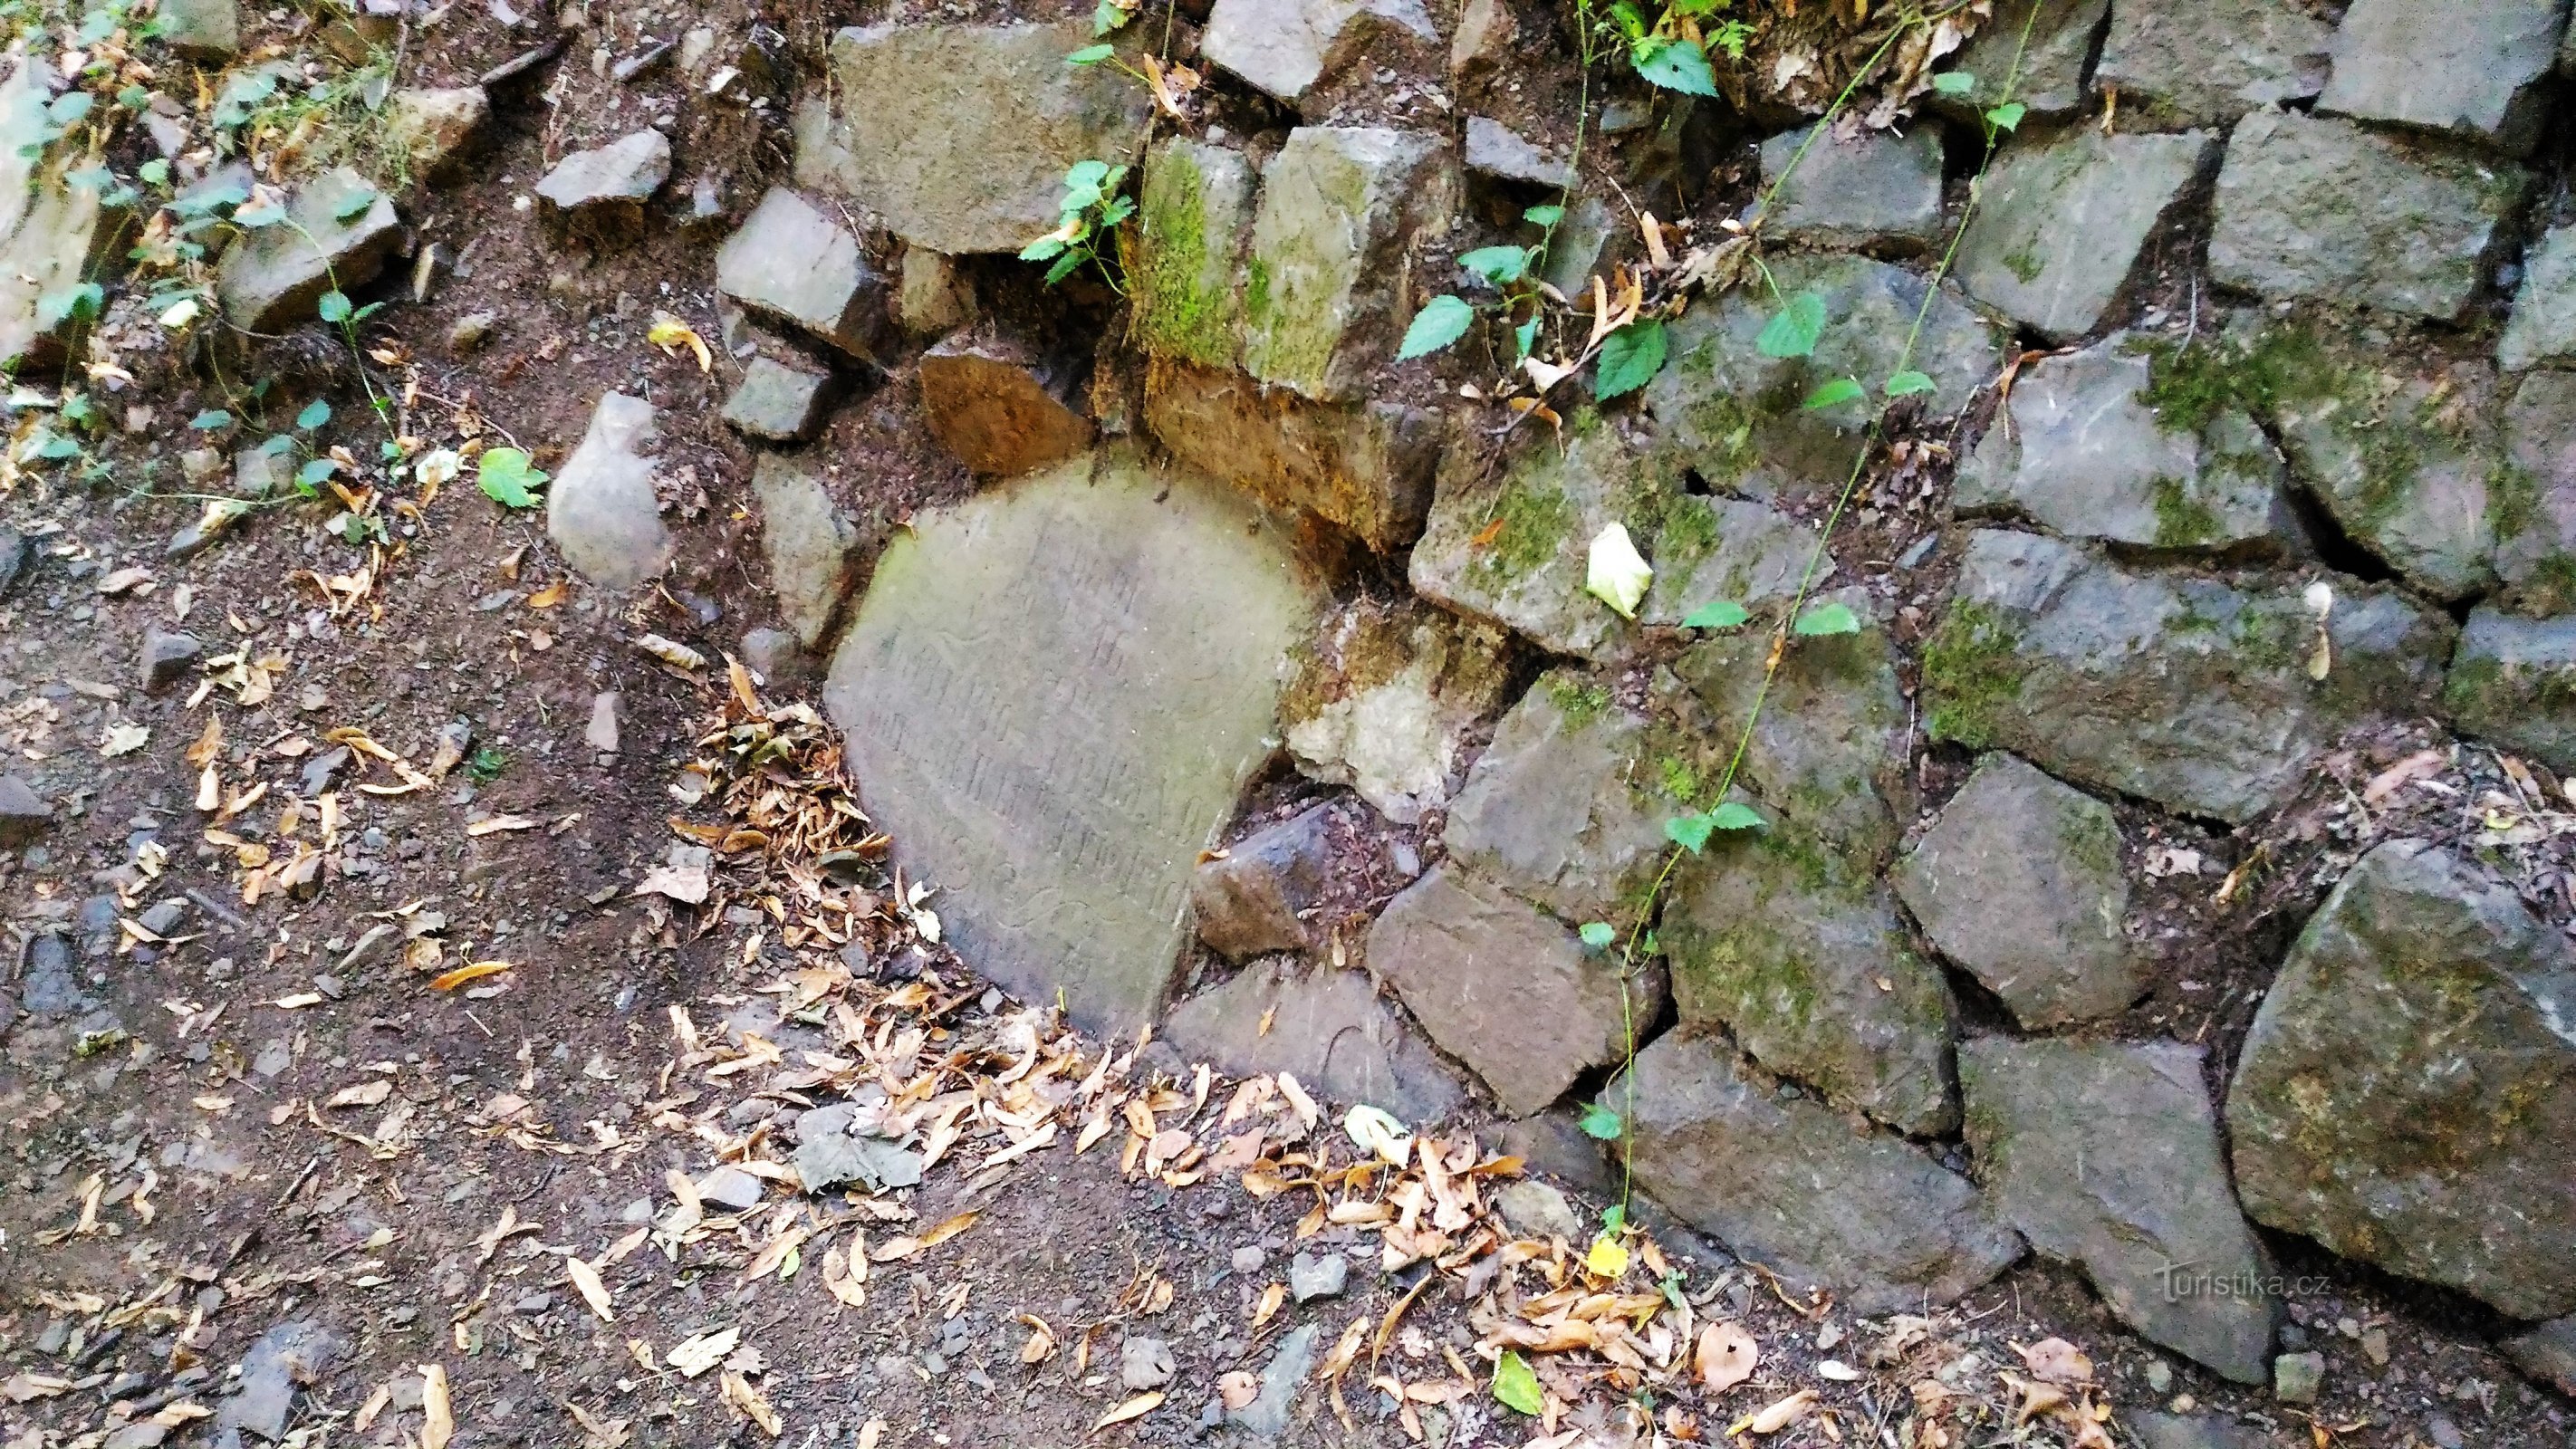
(1053, 693)
(959, 136)
(2020, 882)
(809, 542)
(1872, 188)
(205, 29)
(2408, 1089)
(998, 404)
(1384, 697)
(2547, 1354)
(273, 277)
(1737, 417)
(1789, 1184)
(1284, 47)
(2063, 221)
(2193, 1431)
(62, 238)
(1340, 208)
(1505, 989)
(2190, 692)
(1192, 213)
(2535, 508)
(2048, 70)
(1498, 151)
(2474, 70)
(2318, 208)
(1251, 900)
(436, 127)
(1797, 951)
(1730, 549)
(794, 263)
(601, 510)
(608, 185)
(778, 403)
(2543, 327)
(2106, 1155)
(1365, 466)
(2087, 453)
(2513, 682)
(1329, 1028)
(2207, 64)
(1567, 805)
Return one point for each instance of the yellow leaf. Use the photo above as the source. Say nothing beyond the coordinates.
(462, 974)
(1608, 1258)
(670, 334)
(438, 1420)
(585, 1279)
(1135, 1408)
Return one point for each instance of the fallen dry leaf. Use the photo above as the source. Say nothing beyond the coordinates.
(700, 1352)
(438, 1417)
(1135, 1408)
(585, 1280)
(449, 981)
(1726, 1356)
(2056, 1361)
(1773, 1418)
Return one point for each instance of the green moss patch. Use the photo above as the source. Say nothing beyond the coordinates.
(1971, 674)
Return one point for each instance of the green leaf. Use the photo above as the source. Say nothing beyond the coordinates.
(91, 178)
(1548, 215)
(354, 205)
(1091, 55)
(1498, 265)
(335, 306)
(1599, 1122)
(1614, 1217)
(211, 419)
(315, 472)
(76, 303)
(1597, 934)
(68, 108)
(315, 414)
(56, 447)
(1828, 619)
(1442, 320)
(1524, 337)
(1107, 17)
(506, 478)
(1717, 614)
(1954, 82)
(1041, 249)
(155, 172)
(1908, 383)
(1515, 1386)
(1690, 832)
(1793, 331)
(2006, 117)
(1734, 815)
(1834, 394)
(1630, 358)
(1675, 65)
(1065, 266)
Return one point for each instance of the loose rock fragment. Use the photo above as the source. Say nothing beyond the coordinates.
(1250, 900)
(608, 185)
(602, 510)
(1004, 410)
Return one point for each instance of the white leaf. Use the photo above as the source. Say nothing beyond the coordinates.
(1618, 574)
(1377, 1131)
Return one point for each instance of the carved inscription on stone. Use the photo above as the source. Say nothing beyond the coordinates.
(1053, 694)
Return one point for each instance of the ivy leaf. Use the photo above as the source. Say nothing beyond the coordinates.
(1442, 320)
(1828, 619)
(1498, 265)
(1600, 1123)
(315, 414)
(1734, 815)
(1598, 935)
(2006, 117)
(210, 420)
(1908, 383)
(1675, 65)
(1548, 215)
(1716, 614)
(1834, 394)
(1793, 331)
(1630, 358)
(1954, 82)
(505, 477)
(1091, 55)
(335, 307)
(1515, 1386)
(1690, 832)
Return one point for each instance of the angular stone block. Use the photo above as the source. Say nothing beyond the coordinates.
(1873, 189)
(1193, 210)
(810, 544)
(1340, 207)
(1366, 467)
(1384, 697)
(1283, 47)
(2474, 68)
(436, 128)
(1251, 900)
(601, 510)
(1713, 549)
(1329, 1028)
(2535, 512)
(2063, 222)
(607, 186)
(778, 403)
(272, 278)
(2543, 328)
(1498, 151)
(2513, 683)
(2209, 63)
(2048, 68)
(794, 263)
(1003, 409)
(1053, 693)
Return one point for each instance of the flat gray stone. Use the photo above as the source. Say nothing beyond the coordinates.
(1506, 989)
(2472, 68)
(1328, 1028)
(2408, 1089)
(601, 510)
(1341, 207)
(1384, 698)
(2209, 63)
(2020, 882)
(794, 263)
(1873, 188)
(2547, 1354)
(435, 127)
(205, 29)
(2312, 207)
(1737, 417)
(293, 1355)
(2106, 1155)
(1498, 151)
(2085, 453)
(999, 404)
(273, 278)
(614, 180)
(2535, 510)
(1266, 1417)
(1535, 1210)
(958, 136)
(2192, 1431)
(1318, 1275)
(2513, 682)
(2047, 70)
(167, 658)
(2296, 1377)
(1791, 1184)
(1565, 807)
(1714, 549)
(2543, 326)
(2063, 221)
(1193, 211)
(1054, 693)
(1798, 953)
(1251, 900)
(778, 403)
(1365, 467)
(1284, 47)
(809, 541)
(24, 815)
(732, 1189)
(835, 1148)
(1515, 547)
(2183, 690)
